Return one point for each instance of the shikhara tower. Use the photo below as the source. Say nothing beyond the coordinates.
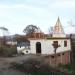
(58, 30)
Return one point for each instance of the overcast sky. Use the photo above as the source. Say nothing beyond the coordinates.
(17, 14)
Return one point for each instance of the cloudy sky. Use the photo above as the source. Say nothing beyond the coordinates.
(17, 14)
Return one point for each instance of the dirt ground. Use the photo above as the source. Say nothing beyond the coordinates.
(5, 64)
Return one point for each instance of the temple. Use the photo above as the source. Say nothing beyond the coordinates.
(41, 44)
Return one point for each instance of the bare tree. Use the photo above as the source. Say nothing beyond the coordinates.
(72, 22)
(55, 46)
(50, 30)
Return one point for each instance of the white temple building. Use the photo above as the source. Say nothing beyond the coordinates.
(45, 45)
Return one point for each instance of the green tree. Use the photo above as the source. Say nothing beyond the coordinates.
(30, 29)
(4, 32)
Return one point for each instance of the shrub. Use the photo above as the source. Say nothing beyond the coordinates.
(35, 67)
(1, 51)
(5, 51)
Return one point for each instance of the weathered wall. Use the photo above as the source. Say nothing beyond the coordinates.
(47, 48)
(61, 58)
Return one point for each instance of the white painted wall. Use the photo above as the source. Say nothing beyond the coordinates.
(46, 46)
(58, 35)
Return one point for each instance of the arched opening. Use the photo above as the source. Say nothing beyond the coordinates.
(38, 47)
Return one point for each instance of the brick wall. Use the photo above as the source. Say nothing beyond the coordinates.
(61, 58)
(37, 36)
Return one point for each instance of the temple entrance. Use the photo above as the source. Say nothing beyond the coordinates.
(38, 47)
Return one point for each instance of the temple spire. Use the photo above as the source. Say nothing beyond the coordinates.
(58, 29)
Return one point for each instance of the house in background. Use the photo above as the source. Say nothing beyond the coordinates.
(39, 44)
(23, 47)
(11, 41)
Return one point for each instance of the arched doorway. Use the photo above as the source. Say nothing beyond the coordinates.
(38, 47)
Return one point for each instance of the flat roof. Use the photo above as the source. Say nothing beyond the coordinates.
(57, 38)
